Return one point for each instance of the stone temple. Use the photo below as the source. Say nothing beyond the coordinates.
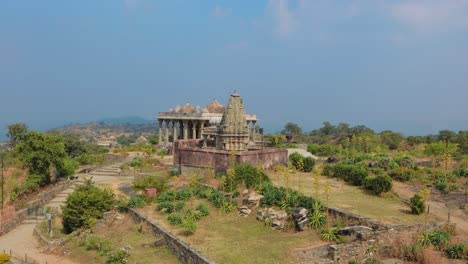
(216, 134)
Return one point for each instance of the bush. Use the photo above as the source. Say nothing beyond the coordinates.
(327, 170)
(4, 258)
(297, 161)
(309, 164)
(136, 202)
(460, 172)
(417, 205)
(175, 219)
(402, 174)
(379, 184)
(189, 226)
(457, 251)
(193, 215)
(249, 175)
(203, 209)
(323, 150)
(118, 255)
(136, 162)
(154, 181)
(86, 204)
(442, 184)
(351, 173)
(67, 167)
(94, 242)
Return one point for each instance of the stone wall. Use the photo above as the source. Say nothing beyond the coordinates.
(42, 199)
(188, 153)
(354, 219)
(183, 251)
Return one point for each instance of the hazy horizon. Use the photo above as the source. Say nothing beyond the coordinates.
(389, 65)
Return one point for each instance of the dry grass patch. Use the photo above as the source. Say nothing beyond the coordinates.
(229, 238)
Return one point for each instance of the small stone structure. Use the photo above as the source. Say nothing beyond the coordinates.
(230, 138)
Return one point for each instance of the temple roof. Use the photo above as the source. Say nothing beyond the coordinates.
(187, 108)
(215, 107)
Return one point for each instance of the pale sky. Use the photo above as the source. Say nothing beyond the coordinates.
(387, 64)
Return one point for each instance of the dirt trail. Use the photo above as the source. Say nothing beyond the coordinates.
(437, 208)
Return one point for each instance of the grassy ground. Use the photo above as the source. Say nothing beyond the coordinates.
(123, 233)
(229, 238)
(387, 208)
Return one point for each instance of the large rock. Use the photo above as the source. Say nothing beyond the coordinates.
(252, 200)
(277, 218)
(244, 211)
(301, 221)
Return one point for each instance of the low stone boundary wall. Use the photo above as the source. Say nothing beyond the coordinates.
(184, 252)
(44, 241)
(41, 200)
(354, 219)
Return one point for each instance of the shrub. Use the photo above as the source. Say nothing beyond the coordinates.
(67, 167)
(175, 219)
(4, 258)
(153, 181)
(460, 172)
(189, 226)
(457, 251)
(439, 239)
(442, 184)
(351, 173)
(316, 217)
(323, 150)
(118, 255)
(122, 203)
(417, 205)
(331, 234)
(309, 164)
(249, 175)
(86, 204)
(327, 170)
(136, 162)
(94, 242)
(136, 202)
(379, 184)
(193, 215)
(203, 209)
(402, 174)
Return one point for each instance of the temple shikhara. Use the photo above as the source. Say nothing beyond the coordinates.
(208, 137)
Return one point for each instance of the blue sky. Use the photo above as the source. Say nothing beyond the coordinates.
(388, 64)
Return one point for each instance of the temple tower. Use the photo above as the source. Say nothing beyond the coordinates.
(233, 131)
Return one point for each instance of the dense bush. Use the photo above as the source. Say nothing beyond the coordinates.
(153, 181)
(118, 255)
(461, 172)
(387, 163)
(327, 170)
(136, 202)
(301, 163)
(323, 150)
(169, 206)
(378, 184)
(442, 184)
(189, 226)
(350, 173)
(86, 204)
(101, 245)
(67, 167)
(203, 209)
(249, 175)
(136, 162)
(402, 174)
(457, 251)
(175, 219)
(309, 164)
(417, 205)
(31, 185)
(194, 215)
(4, 258)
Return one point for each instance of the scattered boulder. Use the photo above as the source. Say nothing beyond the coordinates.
(276, 218)
(276, 224)
(244, 211)
(245, 192)
(301, 221)
(252, 200)
(351, 230)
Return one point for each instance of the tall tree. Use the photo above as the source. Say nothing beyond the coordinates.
(15, 132)
(292, 129)
(391, 139)
(40, 152)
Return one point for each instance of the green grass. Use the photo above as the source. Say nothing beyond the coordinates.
(386, 208)
(229, 238)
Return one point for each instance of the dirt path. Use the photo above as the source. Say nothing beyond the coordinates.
(437, 208)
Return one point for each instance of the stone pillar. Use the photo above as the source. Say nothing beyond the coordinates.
(194, 130)
(174, 130)
(185, 129)
(160, 132)
(250, 130)
(254, 130)
(166, 139)
(202, 125)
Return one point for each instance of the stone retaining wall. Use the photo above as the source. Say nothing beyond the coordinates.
(41, 200)
(184, 252)
(44, 241)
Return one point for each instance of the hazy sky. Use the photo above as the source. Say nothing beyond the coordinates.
(388, 64)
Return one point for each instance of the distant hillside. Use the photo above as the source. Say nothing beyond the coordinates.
(132, 120)
(112, 127)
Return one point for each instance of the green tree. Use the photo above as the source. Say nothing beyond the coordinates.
(417, 205)
(40, 151)
(73, 146)
(391, 139)
(292, 129)
(86, 204)
(15, 132)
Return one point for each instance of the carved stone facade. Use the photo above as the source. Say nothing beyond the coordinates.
(188, 122)
(233, 132)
